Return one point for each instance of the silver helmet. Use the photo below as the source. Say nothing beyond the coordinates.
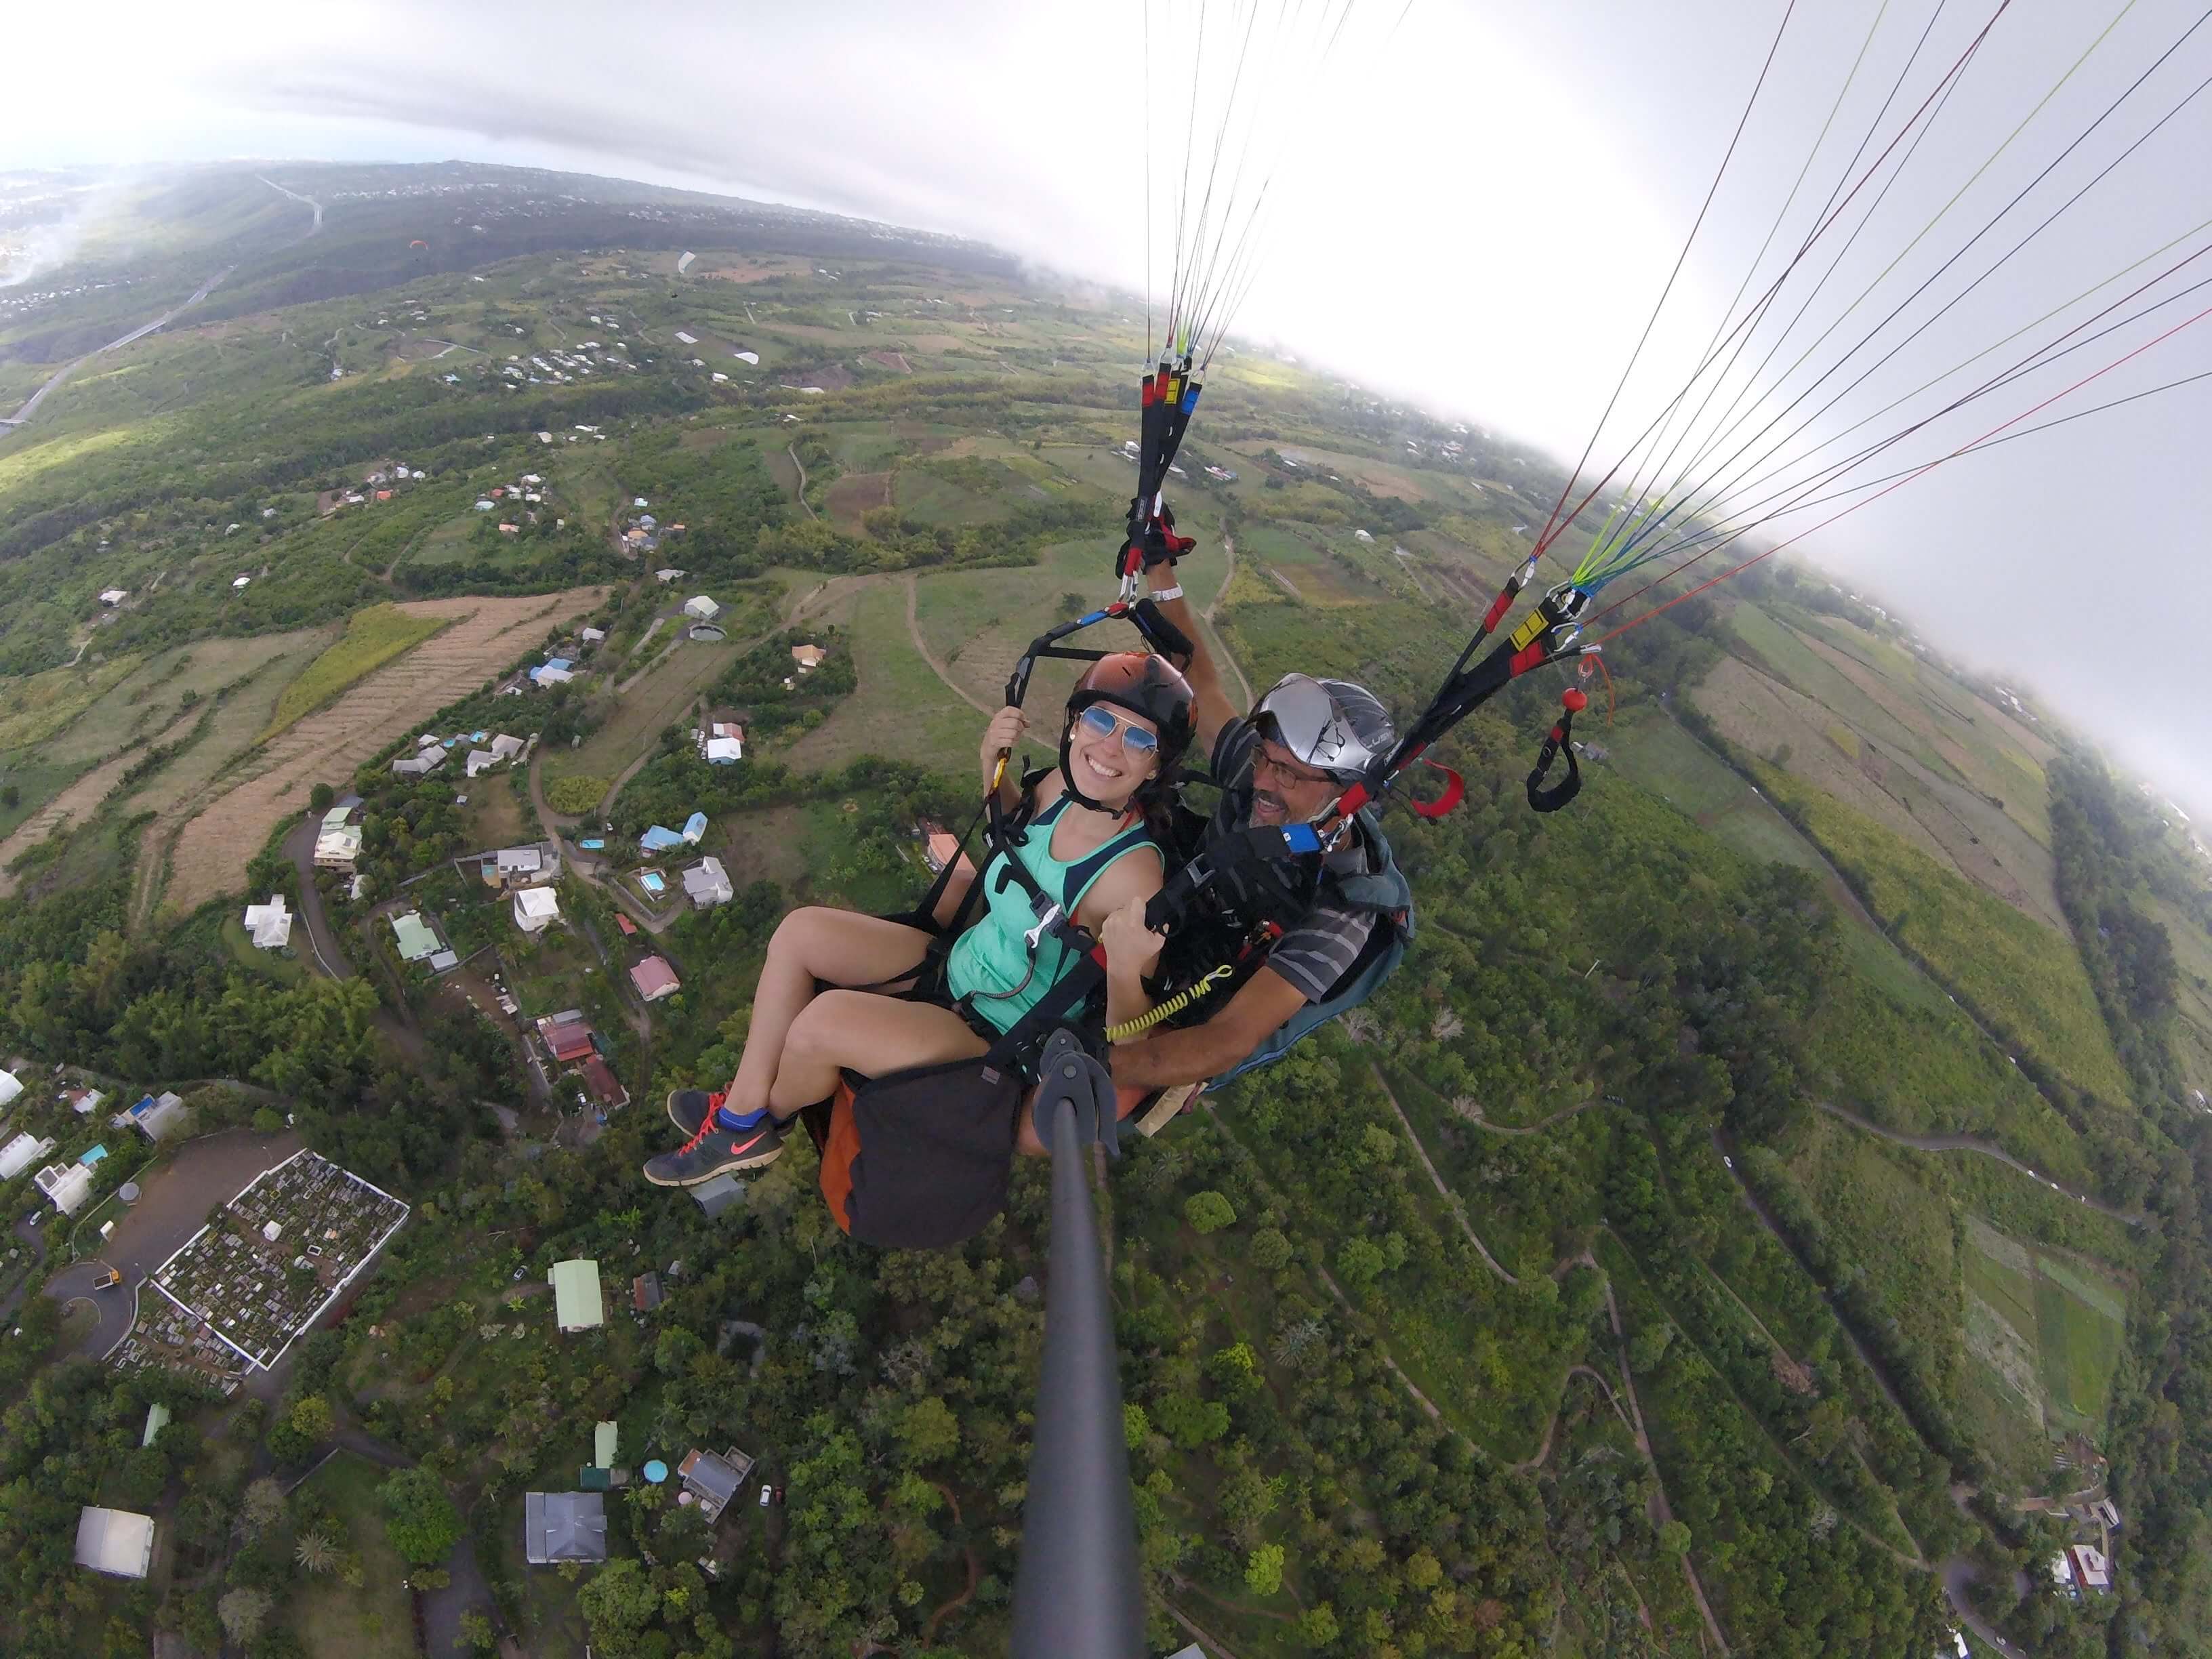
(1332, 725)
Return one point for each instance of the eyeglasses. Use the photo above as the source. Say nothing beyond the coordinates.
(1283, 771)
(1103, 722)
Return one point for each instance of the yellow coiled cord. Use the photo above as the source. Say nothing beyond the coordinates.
(1175, 1004)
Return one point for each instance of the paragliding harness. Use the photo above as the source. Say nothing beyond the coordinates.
(921, 1159)
(1239, 895)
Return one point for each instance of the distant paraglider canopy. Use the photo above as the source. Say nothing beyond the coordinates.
(424, 245)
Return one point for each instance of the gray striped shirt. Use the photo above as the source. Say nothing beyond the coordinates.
(1318, 950)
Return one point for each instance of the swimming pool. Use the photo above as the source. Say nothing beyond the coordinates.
(652, 881)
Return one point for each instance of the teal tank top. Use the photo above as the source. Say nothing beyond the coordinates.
(990, 967)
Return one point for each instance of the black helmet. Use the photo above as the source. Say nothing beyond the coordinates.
(1332, 725)
(1144, 684)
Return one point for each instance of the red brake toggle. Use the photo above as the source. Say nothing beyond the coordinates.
(1455, 791)
(1573, 700)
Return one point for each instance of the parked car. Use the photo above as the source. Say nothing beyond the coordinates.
(767, 1492)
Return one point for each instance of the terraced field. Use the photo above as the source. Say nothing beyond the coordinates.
(326, 746)
(145, 703)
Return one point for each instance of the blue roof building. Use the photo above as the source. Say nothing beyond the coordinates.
(660, 839)
(694, 827)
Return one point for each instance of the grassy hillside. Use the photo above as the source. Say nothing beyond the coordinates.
(2003, 966)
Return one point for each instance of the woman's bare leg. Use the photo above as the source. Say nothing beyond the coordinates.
(815, 943)
(869, 1033)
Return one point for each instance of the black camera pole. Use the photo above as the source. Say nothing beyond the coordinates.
(1077, 1593)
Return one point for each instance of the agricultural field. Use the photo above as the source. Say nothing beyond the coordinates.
(1925, 760)
(209, 706)
(373, 638)
(2001, 963)
(2044, 1330)
(482, 636)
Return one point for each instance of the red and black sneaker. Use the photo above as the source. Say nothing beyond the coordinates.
(713, 1150)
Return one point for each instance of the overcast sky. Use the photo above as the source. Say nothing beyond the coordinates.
(1473, 201)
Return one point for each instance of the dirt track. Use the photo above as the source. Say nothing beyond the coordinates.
(209, 854)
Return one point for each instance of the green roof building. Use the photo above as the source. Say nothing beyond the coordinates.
(417, 940)
(157, 1416)
(577, 1303)
(603, 1445)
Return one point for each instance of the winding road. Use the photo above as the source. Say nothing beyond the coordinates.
(1987, 1149)
(1451, 1199)
(31, 406)
(792, 450)
(299, 846)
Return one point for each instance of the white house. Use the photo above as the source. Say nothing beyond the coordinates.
(237, 582)
(65, 1185)
(117, 1543)
(338, 844)
(664, 577)
(268, 925)
(504, 747)
(2091, 1568)
(702, 607)
(21, 1153)
(153, 1115)
(594, 636)
(114, 595)
(481, 760)
(708, 883)
(536, 908)
(10, 1086)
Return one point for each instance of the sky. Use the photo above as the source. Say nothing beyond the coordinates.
(1473, 204)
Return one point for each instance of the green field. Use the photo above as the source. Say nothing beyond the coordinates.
(2002, 963)
(373, 638)
(2061, 1332)
(667, 695)
(171, 683)
(375, 1621)
(1896, 1230)
(903, 710)
(924, 496)
(41, 705)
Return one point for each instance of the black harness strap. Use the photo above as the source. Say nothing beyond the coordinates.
(1560, 739)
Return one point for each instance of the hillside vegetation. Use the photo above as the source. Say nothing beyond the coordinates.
(1766, 1195)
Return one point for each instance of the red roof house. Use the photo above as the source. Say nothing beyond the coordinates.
(571, 1039)
(654, 978)
(605, 1087)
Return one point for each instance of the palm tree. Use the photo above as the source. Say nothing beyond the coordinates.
(315, 1550)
